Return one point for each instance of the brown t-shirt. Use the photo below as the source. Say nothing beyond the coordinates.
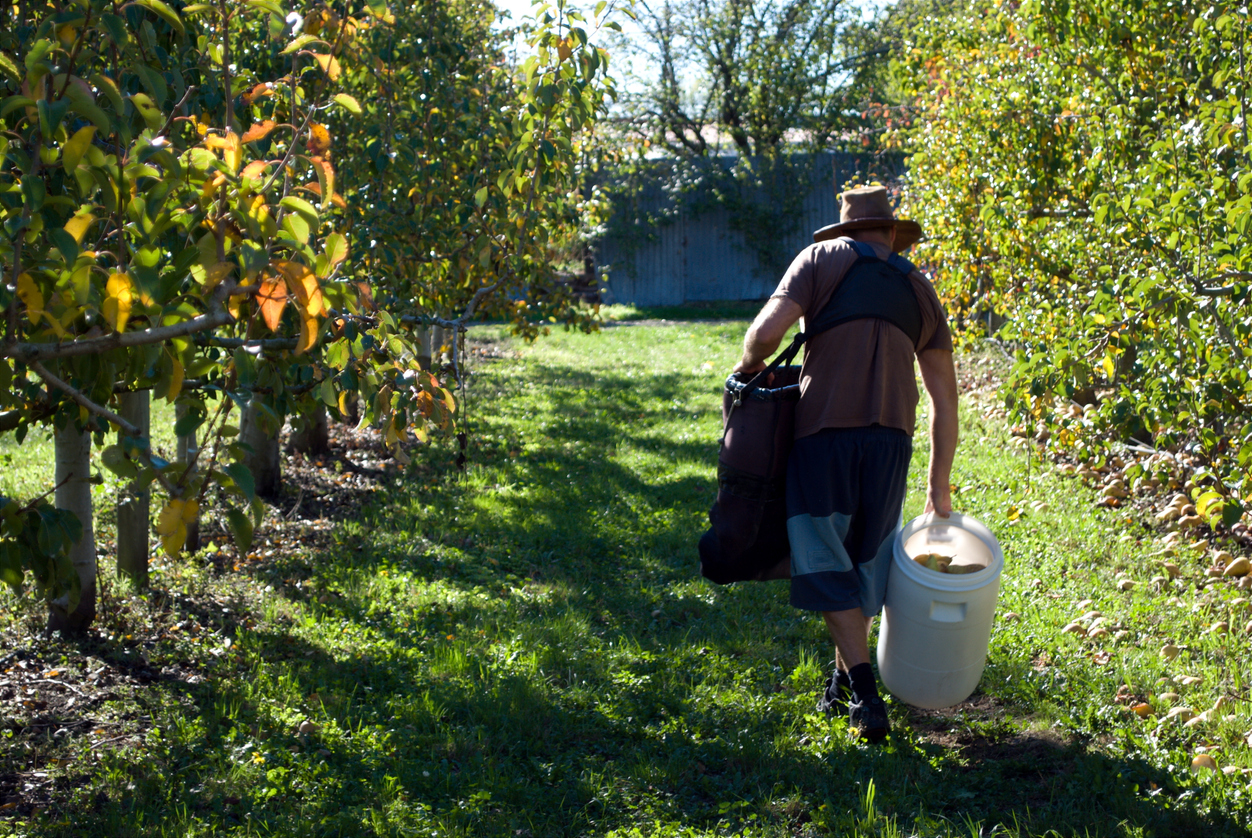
(859, 373)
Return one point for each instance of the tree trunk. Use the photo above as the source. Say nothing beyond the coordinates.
(132, 510)
(436, 348)
(423, 352)
(186, 449)
(73, 473)
(265, 461)
(313, 436)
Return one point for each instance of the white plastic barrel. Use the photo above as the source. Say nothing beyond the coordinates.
(936, 627)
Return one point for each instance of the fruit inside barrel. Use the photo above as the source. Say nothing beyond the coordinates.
(944, 548)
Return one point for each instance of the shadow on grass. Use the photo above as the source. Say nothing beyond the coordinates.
(547, 663)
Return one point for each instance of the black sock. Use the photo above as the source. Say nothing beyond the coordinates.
(843, 681)
(864, 687)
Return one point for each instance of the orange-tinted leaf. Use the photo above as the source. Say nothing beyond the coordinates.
(255, 169)
(319, 139)
(263, 89)
(259, 131)
(325, 178)
(366, 295)
(272, 299)
(303, 284)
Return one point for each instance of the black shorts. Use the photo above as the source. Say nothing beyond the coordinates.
(845, 493)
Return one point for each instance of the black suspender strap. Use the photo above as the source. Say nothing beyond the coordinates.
(872, 288)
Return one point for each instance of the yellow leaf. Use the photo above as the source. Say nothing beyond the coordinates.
(1108, 366)
(176, 382)
(232, 151)
(308, 334)
(75, 147)
(31, 296)
(171, 516)
(215, 274)
(318, 142)
(191, 509)
(329, 65)
(173, 542)
(78, 225)
(119, 294)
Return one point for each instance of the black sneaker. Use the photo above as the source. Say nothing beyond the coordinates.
(869, 719)
(835, 698)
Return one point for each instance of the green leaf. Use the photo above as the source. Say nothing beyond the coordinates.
(240, 528)
(480, 197)
(65, 243)
(165, 12)
(116, 461)
(13, 558)
(1205, 503)
(302, 41)
(353, 106)
(301, 206)
(243, 479)
(267, 6)
(1232, 512)
(336, 248)
(9, 68)
(189, 422)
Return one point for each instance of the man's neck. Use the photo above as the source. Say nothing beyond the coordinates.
(870, 237)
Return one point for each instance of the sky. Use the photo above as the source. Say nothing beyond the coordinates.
(522, 8)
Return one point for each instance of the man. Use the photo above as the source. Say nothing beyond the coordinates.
(847, 474)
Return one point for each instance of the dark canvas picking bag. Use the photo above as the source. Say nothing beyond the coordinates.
(747, 539)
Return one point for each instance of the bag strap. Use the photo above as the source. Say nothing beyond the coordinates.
(864, 251)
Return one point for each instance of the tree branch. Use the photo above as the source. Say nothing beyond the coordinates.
(30, 352)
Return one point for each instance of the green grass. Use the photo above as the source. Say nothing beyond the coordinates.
(528, 650)
(687, 312)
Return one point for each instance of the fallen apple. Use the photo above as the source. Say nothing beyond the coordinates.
(1202, 762)
(1238, 567)
(1185, 714)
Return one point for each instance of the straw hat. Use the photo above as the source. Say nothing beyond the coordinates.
(869, 206)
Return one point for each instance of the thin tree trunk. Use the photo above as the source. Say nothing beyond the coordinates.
(73, 475)
(265, 461)
(423, 352)
(186, 448)
(436, 347)
(132, 511)
(313, 437)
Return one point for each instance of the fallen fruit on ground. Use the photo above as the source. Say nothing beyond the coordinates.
(1203, 761)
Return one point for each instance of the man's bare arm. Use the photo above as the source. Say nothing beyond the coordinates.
(766, 332)
(939, 379)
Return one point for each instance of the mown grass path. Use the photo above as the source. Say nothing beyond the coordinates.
(528, 650)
